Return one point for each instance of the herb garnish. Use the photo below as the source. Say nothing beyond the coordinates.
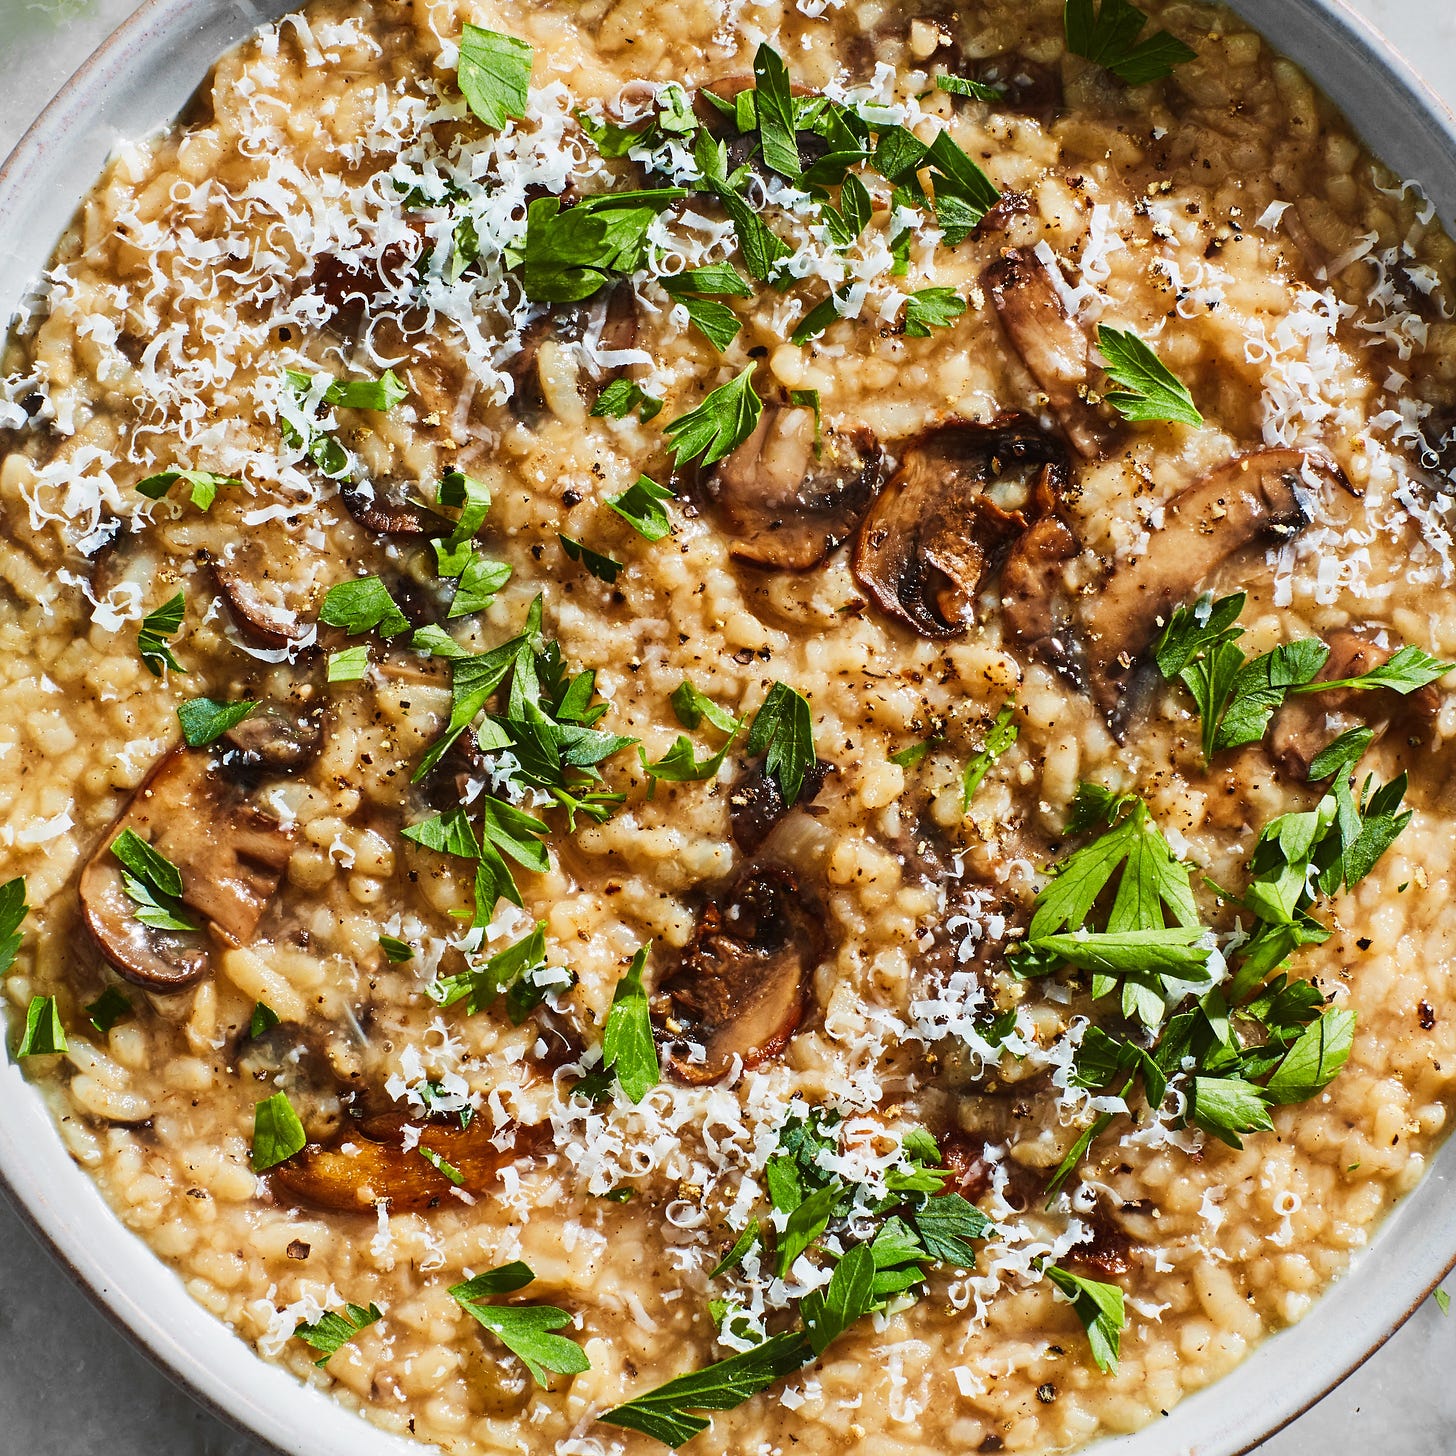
(640, 505)
(152, 881)
(205, 720)
(783, 730)
(43, 1036)
(396, 951)
(494, 75)
(13, 911)
(204, 485)
(621, 397)
(628, 1048)
(333, 1330)
(931, 308)
(719, 424)
(264, 1018)
(348, 664)
(999, 737)
(361, 605)
(1109, 37)
(1099, 1306)
(524, 1329)
(109, 1009)
(152, 636)
(277, 1132)
(604, 568)
(1149, 389)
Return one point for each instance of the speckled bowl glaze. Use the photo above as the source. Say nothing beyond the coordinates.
(135, 84)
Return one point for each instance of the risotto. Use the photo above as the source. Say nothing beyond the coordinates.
(724, 724)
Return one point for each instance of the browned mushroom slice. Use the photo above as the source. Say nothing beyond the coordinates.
(231, 856)
(1055, 349)
(371, 1164)
(786, 505)
(742, 986)
(1260, 497)
(273, 625)
(385, 508)
(756, 804)
(608, 317)
(274, 738)
(1036, 600)
(957, 501)
(1109, 1251)
(1306, 724)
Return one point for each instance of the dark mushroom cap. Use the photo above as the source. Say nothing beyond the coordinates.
(1264, 496)
(231, 856)
(275, 738)
(1055, 349)
(1307, 724)
(384, 507)
(959, 498)
(370, 1163)
(742, 986)
(273, 626)
(786, 504)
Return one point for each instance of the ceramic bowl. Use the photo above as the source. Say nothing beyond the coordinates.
(136, 83)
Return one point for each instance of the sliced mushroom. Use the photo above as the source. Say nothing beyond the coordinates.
(231, 856)
(274, 738)
(1306, 724)
(1109, 1251)
(370, 1164)
(786, 504)
(959, 498)
(1259, 497)
(608, 317)
(1036, 600)
(756, 804)
(1054, 348)
(273, 626)
(742, 986)
(385, 508)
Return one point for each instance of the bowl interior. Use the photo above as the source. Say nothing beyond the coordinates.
(136, 84)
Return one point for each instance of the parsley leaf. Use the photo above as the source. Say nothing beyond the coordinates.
(524, 1329)
(264, 1018)
(348, 664)
(627, 1044)
(666, 1413)
(494, 75)
(999, 737)
(1228, 1106)
(361, 605)
(640, 505)
(946, 1223)
(43, 1035)
(604, 568)
(621, 397)
(691, 706)
(783, 729)
(1100, 1308)
(931, 308)
(964, 86)
(13, 911)
(479, 583)
(205, 720)
(152, 882)
(680, 763)
(333, 1330)
(719, 424)
(1109, 37)
(570, 254)
(152, 636)
(1149, 390)
(850, 1295)
(775, 106)
(204, 485)
(482, 982)
(109, 1009)
(277, 1132)
(716, 321)
(1315, 1059)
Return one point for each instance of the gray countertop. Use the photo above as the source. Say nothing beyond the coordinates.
(70, 1385)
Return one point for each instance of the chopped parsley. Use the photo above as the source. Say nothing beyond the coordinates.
(641, 506)
(526, 1330)
(152, 882)
(203, 485)
(264, 1018)
(485, 979)
(718, 425)
(999, 737)
(445, 1169)
(1108, 36)
(277, 1132)
(783, 731)
(362, 605)
(1148, 389)
(205, 720)
(494, 75)
(1100, 1308)
(396, 952)
(628, 1048)
(13, 911)
(604, 568)
(109, 1009)
(932, 308)
(964, 86)
(156, 628)
(333, 1330)
(568, 255)
(348, 664)
(621, 397)
(43, 1035)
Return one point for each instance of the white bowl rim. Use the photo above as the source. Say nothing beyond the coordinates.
(147, 1302)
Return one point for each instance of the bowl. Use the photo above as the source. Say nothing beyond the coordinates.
(135, 84)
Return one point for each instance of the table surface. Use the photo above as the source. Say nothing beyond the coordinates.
(70, 1385)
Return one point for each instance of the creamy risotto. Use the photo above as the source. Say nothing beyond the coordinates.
(724, 724)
